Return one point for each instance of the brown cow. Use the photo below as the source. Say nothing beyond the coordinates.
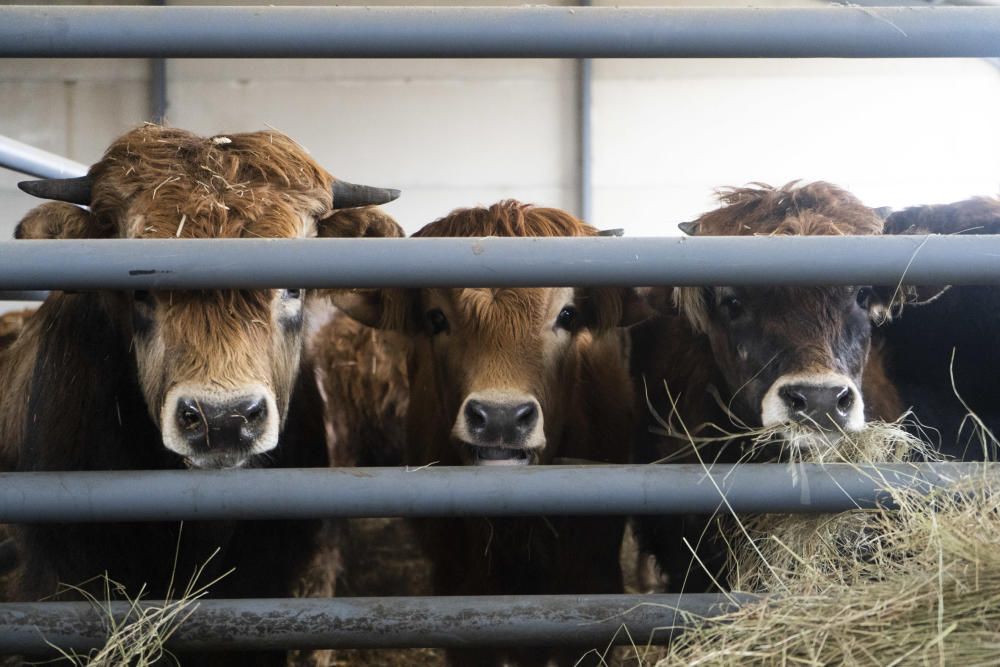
(741, 358)
(505, 377)
(946, 335)
(164, 379)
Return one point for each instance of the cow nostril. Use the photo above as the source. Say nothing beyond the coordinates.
(845, 400)
(476, 416)
(794, 399)
(256, 411)
(189, 415)
(526, 415)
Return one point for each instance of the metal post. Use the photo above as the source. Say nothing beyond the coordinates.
(497, 32)
(584, 108)
(395, 622)
(35, 162)
(158, 83)
(171, 495)
(496, 262)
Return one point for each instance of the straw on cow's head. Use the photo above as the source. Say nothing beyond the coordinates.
(492, 368)
(216, 367)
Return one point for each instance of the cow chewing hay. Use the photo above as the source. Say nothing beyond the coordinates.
(916, 585)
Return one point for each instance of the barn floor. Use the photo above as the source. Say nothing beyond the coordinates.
(383, 559)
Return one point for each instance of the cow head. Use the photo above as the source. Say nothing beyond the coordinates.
(216, 367)
(788, 355)
(492, 371)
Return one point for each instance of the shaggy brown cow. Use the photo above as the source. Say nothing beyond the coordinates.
(739, 358)
(964, 321)
(159, 379)
(503, 377)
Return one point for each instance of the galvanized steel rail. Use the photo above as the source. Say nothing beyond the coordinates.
(171, 495)
(396, 622)
(498, 262)
(497, 32)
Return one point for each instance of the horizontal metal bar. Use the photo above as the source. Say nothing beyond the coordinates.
(395, 622)
(23, 295)
(495, 262)
(34, 161)
(170, 495)
(497, 32)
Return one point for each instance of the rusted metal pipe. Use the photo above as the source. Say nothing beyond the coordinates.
(393, 622)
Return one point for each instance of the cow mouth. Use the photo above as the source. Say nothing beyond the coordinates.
(499, 456)
(220, 461)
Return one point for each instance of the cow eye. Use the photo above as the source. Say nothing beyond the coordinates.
(863, 297)
(436, 321)
(568, 318)
(292, 294)
(732, 306)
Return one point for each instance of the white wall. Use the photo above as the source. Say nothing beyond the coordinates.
(455, 133)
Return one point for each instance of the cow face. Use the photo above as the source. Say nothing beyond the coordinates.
(216, 368)
(788, 355)
(493, 370)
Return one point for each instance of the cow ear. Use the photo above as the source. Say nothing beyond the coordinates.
(365, 222)
(58, 220)
(388, 308)
(605, 308)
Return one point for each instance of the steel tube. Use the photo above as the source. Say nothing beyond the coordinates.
(171, 495)
(6, 295)
(494, 262)
(396, 622)
(497, 32)
(34, 161)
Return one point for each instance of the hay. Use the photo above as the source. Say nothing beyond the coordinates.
(138, 639)
(918, 585)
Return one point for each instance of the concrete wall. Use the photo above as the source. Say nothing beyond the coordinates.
(456, 133)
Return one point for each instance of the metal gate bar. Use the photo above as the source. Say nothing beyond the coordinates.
(395, 622)
(170, 495)
(497, 32)
(497, 262)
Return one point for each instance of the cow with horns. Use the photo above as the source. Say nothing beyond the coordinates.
(941, 348)
(156, 379)
(512, 377)
(720, 361)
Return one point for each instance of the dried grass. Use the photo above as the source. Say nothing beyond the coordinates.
(916, 585)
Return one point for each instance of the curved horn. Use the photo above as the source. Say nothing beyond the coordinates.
(349, 195)
(689, 228)
(72, 190)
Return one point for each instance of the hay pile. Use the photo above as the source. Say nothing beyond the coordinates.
(915, 586)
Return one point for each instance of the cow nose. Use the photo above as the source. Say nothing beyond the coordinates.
(820, 405)
(209, 426)
(500, 423)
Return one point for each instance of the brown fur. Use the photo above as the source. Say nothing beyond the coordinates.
(497, 339)
(686, 353)
(11, 324)
(88, 374)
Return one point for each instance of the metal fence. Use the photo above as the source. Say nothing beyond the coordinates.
(46, 31)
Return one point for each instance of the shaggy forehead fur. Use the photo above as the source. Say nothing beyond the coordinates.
(504, 313)
(158, 182)
(813, 209)
(508, 218)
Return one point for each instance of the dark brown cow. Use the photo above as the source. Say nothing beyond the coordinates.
(934, 325)
(504, 377)
(156, 380)
(736, 358)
